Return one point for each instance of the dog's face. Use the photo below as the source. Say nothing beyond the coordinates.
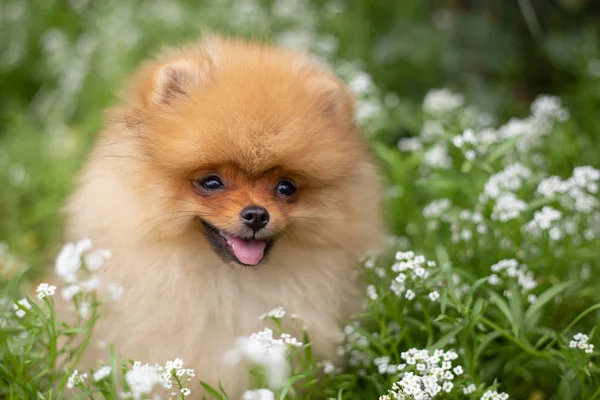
(254, 147)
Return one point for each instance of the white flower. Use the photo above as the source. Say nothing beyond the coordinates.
(361, 83)
(276, 313)
(436, 208)
(75, 379)
(447, 386)
(258, 394)
(441, 101)
(494, 395)
(510, 179)
(101, 373)
(44, 290)
(410, 144)
(470, 389)
(371, 292)
(20, 307)
(141, 379)
(549, 107)
(262, 349)
(116, 291)
(507, 207)
(96, 259)
(91, 284)
(546, 216)
(68, 262)
(458, 370)
(85, 310)
(328, 367)
(185, 391)
(70, 291)
(437, 157)
(434, 296)
(580, 341)
(409, 294)
(493, 279)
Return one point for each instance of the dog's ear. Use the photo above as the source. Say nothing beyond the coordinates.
(332, 98)
(178, 78)
(160, 84)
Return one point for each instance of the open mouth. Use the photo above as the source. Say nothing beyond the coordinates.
(249, 252)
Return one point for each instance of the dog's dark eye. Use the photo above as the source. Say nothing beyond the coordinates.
(210, 183)
(286, 188)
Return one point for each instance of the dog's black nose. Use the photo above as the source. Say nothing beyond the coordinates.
(255, 217)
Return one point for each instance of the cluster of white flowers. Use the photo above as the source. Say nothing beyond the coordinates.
(141, 380)
(356, 345)
(258, 394)
(580, 341)
(76, 265)
(577, 192)
(411, 269)
(372, 292)
(437, 157)
(410, 144)
(470, 389)
(384, 367)
(440, 102)
(549, 108)
(173, 372)
(510, 179)
(511, 269)
(494, 395)
(101, 373)
(276, 313)
(507, 207)
(45, 290)
(430, 374)
(265, 350)
(437, 208)
(76, 379)
(329, 368)
(21, 307)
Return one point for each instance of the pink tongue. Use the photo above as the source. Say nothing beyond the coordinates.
(247, 251)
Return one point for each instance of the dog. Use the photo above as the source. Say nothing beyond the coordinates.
(230, 179)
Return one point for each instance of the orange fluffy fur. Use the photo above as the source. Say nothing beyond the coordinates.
(251, 113)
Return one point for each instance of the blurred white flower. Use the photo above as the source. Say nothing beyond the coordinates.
(101, 373)
(494, 395)
(76, 379)
(258, 394)
(70, 291)
(96, 259)
(44, 290)
(437, 157)
(442, 101)
(434, 296)
(276, 313)
(141, 379)
(470, 389)
(20, 307)
(115, 290)
(507, 207)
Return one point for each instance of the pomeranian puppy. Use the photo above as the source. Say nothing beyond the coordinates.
(232, 179)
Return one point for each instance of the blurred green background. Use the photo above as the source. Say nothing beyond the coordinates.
(62, 61)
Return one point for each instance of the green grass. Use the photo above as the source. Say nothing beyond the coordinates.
(60, 69)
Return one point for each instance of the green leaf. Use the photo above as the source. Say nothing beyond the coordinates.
(502, 305)
(447, 337)
(544, 298)
(501, 150)
(211, 391)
